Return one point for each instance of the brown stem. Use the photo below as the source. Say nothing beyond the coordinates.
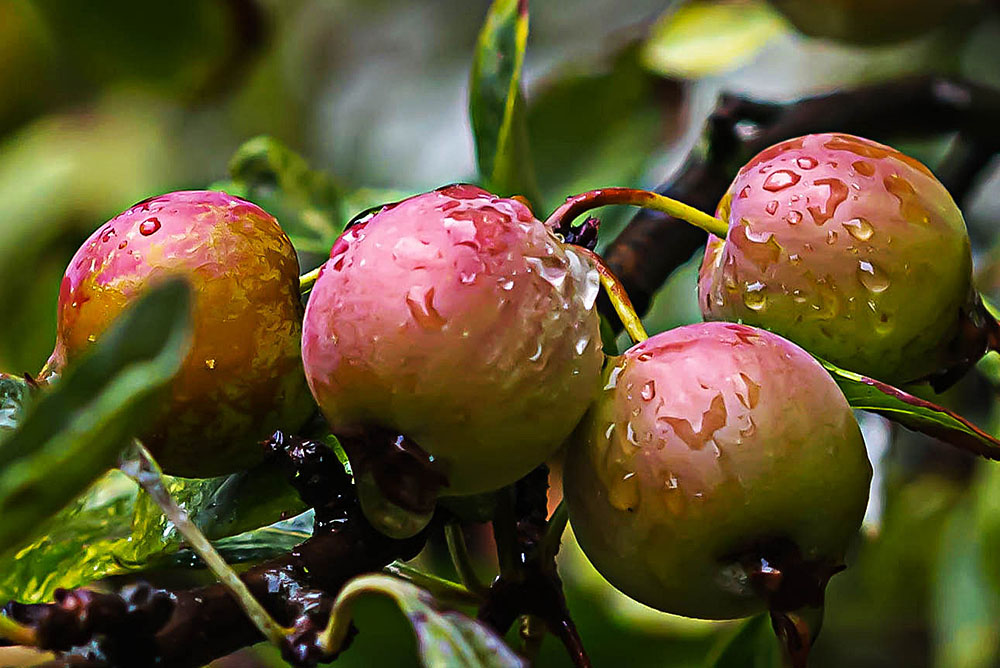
(531, 586)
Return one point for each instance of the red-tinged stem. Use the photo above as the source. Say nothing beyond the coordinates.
(579, 204)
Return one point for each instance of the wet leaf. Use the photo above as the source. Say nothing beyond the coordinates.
(254, 546)
(496, 102)
(112, 529)
(73, 434)
(707, 37)
(752, 646)
(444, 637)
(912, 412)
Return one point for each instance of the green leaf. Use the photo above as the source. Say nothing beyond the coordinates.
(707, 37)
(752, 646)
(444, 637)
(912, 412)
(15, 395)
(496, 103)
(965, 605)
(112, 529)
(306, 202)
(257, 545)
(74, 433)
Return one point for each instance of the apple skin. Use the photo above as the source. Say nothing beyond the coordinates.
(708, 441)
(242, 378)
(849, 248)
(458, 319)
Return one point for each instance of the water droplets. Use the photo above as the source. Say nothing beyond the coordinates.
(828, 305)
(793, 217)
(863, 168)
(412, 253)
(754, 296)
(781, 179)
(712, 419)
(873, 278)
(149, 226)
(772, 207)
(859, 228)
(590, 289)
(420, 301)
(624, 494)
(551, 269)
(806, 162)
(752, 392)
(648, 391)
(910, 206)
(837, 195)
(760, 248)
(613, 378)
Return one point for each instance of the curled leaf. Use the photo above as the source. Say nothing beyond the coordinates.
(444, 637)
(912, 412)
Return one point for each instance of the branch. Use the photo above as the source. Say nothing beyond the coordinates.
(532, 586)
(653, 245)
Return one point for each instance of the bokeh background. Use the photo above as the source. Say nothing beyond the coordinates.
(107, 102)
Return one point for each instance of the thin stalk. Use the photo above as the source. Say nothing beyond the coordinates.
(147, 473)
(532, 631)
(442, 588)
(555, 530)
(308, 280)
(504, 531)
(619, 298)
(460, 557)
(579, 204)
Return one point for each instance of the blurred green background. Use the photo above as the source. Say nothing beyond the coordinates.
(107, 102)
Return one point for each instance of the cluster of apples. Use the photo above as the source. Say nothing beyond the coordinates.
(459, 319)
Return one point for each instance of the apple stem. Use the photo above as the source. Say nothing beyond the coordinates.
(443, 589)
(308, 279)
(460, 558)
(618, 296)
(147, 473)
(796, 635)
(578, 204)
(554, 531)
